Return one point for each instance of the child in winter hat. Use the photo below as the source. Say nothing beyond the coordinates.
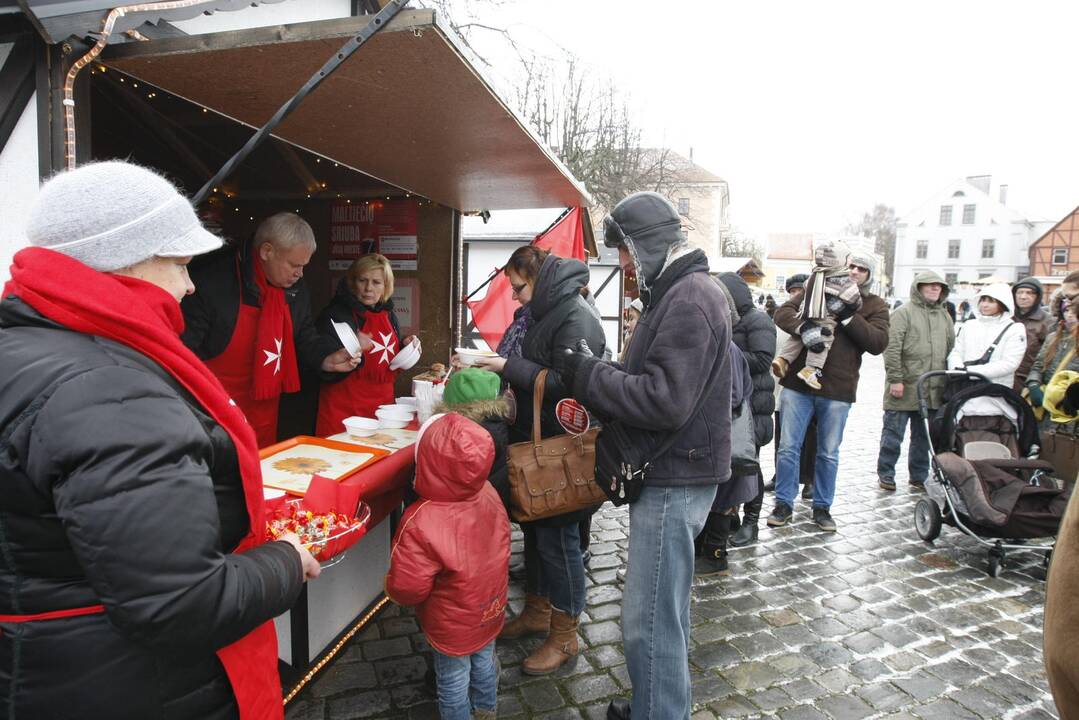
(830, 293)
(450, 559)
(474, 393)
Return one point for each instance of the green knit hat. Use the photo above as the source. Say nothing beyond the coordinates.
(470, 384)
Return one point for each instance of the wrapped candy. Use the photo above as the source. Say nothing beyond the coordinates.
(317, 518)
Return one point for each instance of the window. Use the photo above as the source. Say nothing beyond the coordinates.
(781, 282)
(684, 233)
(1060, 256)
(959, 193)
(951, 278)
(988, 248)
(968, 214)
(683, 206)
(945, 214)
(953, 249)
(983, 274)
(921, 249)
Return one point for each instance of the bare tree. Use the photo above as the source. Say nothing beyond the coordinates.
(879, 224)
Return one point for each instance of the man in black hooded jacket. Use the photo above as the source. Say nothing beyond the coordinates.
(674, 388)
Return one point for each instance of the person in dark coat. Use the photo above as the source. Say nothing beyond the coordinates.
(741, 488)
(1029, 295)
(755, 335)
(674, 388)
(251, 306)
(554, 567)
(137, 580)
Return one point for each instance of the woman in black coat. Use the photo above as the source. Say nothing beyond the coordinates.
(755, 335)
(561, 317)
(135, 579)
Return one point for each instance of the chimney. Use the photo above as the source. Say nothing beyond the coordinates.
(1003, 194)
(981, 182)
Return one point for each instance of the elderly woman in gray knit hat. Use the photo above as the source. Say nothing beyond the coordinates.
(131, 521)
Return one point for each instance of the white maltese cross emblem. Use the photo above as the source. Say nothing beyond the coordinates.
(387, 347)
(274, 356)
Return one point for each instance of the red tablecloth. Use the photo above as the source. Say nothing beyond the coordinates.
(384, 482)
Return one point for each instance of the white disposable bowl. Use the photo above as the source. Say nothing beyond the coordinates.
(360, 427)
(409, 410)
(470, 356)
(406, 357)
(410, 401)
(393, 419)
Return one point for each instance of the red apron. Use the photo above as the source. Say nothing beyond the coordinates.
(365, 388)
(233, 369)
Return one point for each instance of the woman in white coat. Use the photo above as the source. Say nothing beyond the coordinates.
(992, 323)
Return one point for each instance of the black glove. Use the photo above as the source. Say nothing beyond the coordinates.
(576, 363)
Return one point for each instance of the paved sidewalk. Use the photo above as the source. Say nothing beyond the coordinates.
(869, 622)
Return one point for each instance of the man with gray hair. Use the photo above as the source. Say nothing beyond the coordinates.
(250, 320)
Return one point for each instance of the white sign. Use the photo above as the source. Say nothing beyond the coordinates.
(404, 264)
(400, 246)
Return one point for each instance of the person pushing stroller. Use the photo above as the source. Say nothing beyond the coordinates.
(829, 291)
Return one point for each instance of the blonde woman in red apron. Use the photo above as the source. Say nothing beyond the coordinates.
(363, 301)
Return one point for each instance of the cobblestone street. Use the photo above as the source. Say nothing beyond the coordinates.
(869, 622)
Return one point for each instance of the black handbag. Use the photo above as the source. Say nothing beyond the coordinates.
(623, 459)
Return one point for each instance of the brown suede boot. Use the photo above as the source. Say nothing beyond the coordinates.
(535, 618)
(559, 647)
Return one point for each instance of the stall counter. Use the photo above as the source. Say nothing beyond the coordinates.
(345, 593)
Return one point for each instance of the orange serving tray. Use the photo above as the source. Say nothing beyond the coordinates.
(294, 481)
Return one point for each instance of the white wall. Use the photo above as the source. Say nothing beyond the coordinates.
(19, 181)
(283, 13)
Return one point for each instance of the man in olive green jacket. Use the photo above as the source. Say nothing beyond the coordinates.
(919, 339)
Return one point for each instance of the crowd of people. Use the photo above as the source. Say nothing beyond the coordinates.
(134, 395)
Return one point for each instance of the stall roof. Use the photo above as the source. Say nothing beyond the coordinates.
(408, 108)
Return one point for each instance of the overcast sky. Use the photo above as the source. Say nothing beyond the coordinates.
(814, 111)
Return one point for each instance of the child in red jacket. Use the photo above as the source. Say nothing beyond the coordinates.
(450, 559)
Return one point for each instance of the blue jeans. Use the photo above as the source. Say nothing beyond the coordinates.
(554, 567)
(457, 674)
(798, 409)
(655, 605)
(891, 442)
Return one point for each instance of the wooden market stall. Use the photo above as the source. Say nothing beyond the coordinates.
(404, 137)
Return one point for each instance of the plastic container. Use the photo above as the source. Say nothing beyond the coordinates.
(393, 419)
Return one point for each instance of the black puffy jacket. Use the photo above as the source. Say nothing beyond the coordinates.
(560, 318)
(119, 490)
(755, 335)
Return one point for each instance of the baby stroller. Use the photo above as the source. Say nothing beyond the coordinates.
(986, 477)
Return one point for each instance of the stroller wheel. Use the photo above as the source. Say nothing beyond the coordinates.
(927, 519)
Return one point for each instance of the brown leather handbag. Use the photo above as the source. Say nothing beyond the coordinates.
(555, 475)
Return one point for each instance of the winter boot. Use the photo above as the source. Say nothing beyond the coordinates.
(535, 618)
(747, 533)
(713, 560)
(779, 367)
(810, 376)
(559, 647)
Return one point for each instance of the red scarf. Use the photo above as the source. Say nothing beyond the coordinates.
(145, 318)
(275, 368)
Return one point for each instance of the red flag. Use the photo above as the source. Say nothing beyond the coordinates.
(494, 313)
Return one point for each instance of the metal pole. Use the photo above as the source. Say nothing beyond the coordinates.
(380, 20)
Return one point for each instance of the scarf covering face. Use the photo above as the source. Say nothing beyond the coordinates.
(147, 319)
(274, 362)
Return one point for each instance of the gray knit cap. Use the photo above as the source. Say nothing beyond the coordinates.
(111, 215)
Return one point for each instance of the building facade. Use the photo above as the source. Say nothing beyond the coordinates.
(702, 198)
(968, 234)
(1056, 253)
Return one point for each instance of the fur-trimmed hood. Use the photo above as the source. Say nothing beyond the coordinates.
(479, 410)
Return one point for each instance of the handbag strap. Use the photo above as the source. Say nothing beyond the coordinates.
(988, 354)
(537, 401)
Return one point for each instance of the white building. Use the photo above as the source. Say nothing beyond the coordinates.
(965, 233)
